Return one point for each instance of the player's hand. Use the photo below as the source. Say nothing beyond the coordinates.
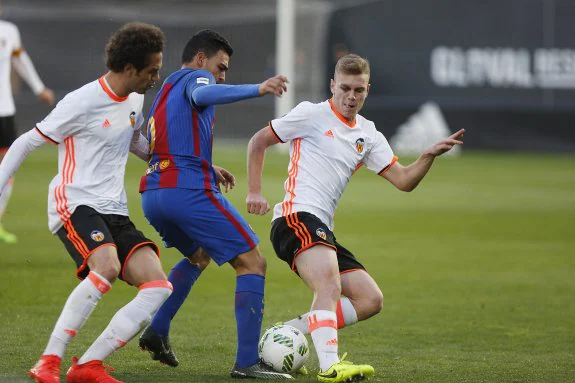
(257, 204)
(276, 85)
(224, 178)
(444, 146)
(46, 96)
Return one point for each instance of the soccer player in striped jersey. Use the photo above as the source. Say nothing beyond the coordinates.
(329, 141)
(13, 55)
(94, 128)
(181, 197)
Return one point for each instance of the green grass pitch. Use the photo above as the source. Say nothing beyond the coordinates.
(477, 267)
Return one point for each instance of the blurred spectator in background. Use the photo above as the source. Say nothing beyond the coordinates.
(12, 53)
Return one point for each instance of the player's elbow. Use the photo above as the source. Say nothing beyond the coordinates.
(407, 187)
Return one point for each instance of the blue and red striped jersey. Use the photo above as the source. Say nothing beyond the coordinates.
(180, 135)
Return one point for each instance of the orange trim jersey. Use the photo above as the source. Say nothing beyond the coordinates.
(325, 151)
(10, 45)
(93, 129)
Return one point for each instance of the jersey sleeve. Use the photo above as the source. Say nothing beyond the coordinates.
(65, 120)
(295, 124)
(17, 48)
(198, 79)
(380, 157)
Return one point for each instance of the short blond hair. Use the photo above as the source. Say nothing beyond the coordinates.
(352, 64)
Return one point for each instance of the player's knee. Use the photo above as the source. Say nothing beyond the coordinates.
(258, 263)
(329, 290)
(201, 259)
(109, 270)
(107, 266)
(251, 262)
(376, 302)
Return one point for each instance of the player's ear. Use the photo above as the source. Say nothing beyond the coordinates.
(130, 69)
(332, 86)
(201, 58)
(367, 90)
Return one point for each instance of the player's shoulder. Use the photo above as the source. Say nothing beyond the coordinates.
(8, 27)
(201, 76)
(367, 125)
(308, 107)
(81, 97)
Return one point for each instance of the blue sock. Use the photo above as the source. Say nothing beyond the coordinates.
(182, 276)
(249, 314)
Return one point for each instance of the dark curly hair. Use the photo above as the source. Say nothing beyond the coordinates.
(206, 41)
(134, 43)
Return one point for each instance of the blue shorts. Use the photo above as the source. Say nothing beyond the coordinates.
(188, 219)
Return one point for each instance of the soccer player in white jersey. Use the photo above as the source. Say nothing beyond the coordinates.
(12, 54)
(95, 127)
(329, 141)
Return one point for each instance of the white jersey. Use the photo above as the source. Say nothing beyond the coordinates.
(10, 46)
(325, 151)
(93, 129)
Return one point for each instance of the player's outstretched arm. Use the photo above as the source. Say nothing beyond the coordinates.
(217, 94)
(256, 203)
(19, 150)
(406, 178)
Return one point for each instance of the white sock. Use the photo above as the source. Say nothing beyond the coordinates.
(5, 196)
(323, 330)
(77, 310)
(129, 320)
(345, 312)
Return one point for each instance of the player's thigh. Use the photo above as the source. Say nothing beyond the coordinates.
(143, 266)
(135, 250)
(8, 133)
(317, 267)
(359, 285)
(293, 234)
(163, 208)
(208, 219)
(84, 234)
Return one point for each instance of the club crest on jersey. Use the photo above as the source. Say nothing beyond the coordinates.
(359, 145)
(133, 119)
(97, 235)
(321, 233)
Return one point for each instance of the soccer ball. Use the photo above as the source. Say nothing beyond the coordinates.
(284, 348)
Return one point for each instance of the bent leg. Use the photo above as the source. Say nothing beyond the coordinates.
(182, 277)
(143, 270)
(363, 293)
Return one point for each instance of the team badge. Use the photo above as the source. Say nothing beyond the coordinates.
(133, 119)
(164, 164)
(321, 233)
(97, 236)
(359, 145)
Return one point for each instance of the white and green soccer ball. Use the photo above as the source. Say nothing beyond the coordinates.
(284, 348)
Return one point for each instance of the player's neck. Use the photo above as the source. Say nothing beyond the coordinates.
(190, 65)
(117, 85)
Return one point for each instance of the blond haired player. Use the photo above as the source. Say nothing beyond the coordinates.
(329, 141)
(95, 127)
(12, 54)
